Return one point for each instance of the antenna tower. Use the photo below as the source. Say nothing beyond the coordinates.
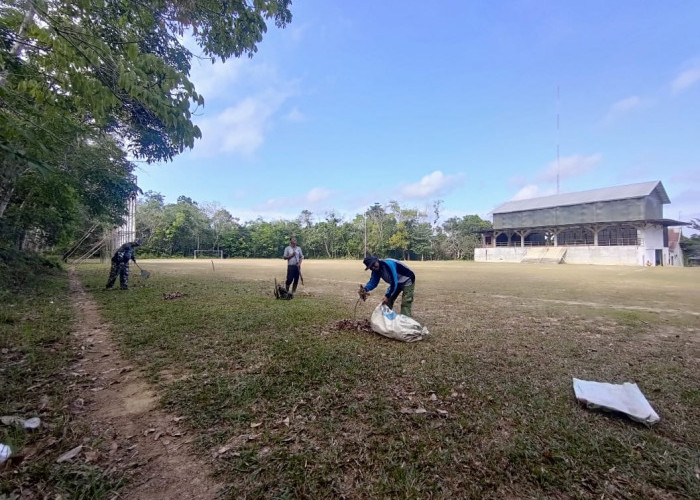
(557, 139)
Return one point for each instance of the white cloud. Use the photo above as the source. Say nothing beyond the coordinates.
(570, 166)
(685, 80)
(242, 98)
(311, 199)
(627, 104)
(623, 107)
(240, 129)
(211, 80)
(295, 116)
(297, 32)
(318, 194)
(433, 184)
(526, 192)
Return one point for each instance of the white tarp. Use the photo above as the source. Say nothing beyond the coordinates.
(625, 398)
(396, 326)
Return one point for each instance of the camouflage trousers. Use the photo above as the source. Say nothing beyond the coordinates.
(121, 269)
(406, 300)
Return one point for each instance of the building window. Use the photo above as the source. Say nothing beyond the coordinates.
(618, 235)
(575, 236)
(536, 240)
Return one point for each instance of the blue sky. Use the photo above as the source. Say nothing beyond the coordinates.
(455, 100)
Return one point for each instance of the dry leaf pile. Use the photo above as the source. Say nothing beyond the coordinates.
(360, 325)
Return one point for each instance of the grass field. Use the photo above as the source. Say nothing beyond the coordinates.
(286, 405)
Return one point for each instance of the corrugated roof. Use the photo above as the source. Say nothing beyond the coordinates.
(594, 195)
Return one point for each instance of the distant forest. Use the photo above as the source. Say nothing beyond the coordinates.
(178, 229)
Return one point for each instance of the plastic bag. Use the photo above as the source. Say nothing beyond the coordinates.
(626, 398)
(396, 326)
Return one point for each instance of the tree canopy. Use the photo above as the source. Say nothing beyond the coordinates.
(178, 229)
(86, 83)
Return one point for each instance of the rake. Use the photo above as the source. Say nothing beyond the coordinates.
(144, 274)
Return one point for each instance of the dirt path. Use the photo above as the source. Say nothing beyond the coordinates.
(146, 444)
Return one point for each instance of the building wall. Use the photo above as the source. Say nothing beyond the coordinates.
(608, 256)
(653, 208)
(653, 238)
(499, 254)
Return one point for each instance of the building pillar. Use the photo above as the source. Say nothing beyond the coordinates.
(522, 235)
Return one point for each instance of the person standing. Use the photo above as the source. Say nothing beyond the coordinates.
(293, 255)
(399, 276)
(120, 264)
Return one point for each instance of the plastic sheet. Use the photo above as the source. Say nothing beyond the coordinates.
(626, 398)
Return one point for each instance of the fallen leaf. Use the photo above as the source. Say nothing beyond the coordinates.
(69, 455)
(10, 420)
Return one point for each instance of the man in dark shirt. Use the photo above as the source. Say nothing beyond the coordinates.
(120, 264)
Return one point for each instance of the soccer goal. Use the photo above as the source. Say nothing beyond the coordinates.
(208, 254)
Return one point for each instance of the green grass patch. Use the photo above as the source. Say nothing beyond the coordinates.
(291, 407)
(36, 318)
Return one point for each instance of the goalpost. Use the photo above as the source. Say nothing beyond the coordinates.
(209, 254)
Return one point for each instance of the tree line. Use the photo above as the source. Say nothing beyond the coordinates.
(178, 229)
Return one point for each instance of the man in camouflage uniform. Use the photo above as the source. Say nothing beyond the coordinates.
(120, 264)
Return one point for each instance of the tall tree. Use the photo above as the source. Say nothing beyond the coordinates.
(463, 235)
(76, 72)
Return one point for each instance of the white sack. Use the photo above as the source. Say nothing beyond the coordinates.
(625, 398)
(396, 326)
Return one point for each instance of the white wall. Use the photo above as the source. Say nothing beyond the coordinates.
(499, 254)
(608, 256)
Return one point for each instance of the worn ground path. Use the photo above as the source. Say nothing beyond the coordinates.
(146, 444)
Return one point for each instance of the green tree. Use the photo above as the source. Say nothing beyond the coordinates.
(330, 234)
(463, 235)
(150, 209)
(108, 71)
(691, 245)
(422, 240)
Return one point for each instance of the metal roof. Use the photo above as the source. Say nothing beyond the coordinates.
(660, 222)
(592, 196)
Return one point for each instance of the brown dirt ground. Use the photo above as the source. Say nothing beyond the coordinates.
(144, 444)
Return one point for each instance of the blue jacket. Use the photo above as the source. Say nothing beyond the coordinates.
(389, 271)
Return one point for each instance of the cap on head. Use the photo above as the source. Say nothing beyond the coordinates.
(369, 261)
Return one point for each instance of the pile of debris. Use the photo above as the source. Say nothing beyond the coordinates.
(173, 295)
(360, 325)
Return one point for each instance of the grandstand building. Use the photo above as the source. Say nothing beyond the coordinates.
(621, 225)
